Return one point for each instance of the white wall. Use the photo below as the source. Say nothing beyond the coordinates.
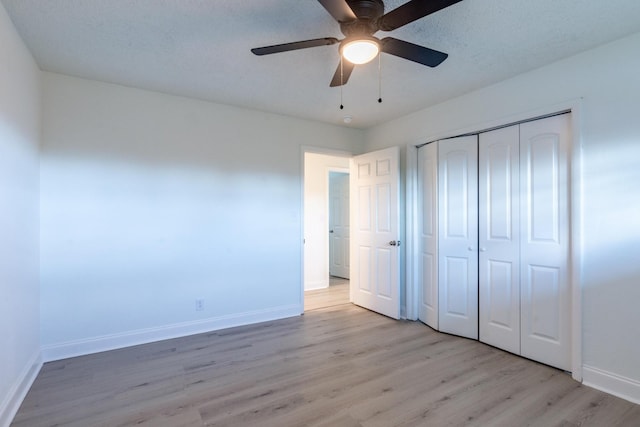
(150, 201)
(19, 294)
(607, 78)
(316, 217)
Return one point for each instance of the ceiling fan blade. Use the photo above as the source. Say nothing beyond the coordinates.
(412, 52)
(285, 47)
(339, 9)
(347, 68)
(411, 11)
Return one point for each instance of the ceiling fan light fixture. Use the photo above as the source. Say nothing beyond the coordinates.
(360, 50)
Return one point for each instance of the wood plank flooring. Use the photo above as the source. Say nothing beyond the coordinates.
(338, 366)
(337, 293)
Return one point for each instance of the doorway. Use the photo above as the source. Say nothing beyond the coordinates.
(336, 294)
(326, 230)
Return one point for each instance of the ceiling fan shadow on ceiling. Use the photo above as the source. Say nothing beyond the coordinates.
(359, 20)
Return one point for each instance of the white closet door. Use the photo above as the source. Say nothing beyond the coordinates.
(544, 226)
(458, 236)
(428, 231)
(499, 238)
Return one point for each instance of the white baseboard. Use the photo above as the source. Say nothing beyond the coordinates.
(11, 403)
(316, 284)
(143, 336)
(617, 385)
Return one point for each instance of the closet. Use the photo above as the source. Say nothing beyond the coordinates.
(494, 238)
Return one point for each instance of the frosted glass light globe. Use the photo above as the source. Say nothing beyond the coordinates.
(360, 51)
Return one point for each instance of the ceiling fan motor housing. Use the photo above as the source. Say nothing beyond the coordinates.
(368, 13)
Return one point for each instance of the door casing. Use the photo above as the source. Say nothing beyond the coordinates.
(313, 150)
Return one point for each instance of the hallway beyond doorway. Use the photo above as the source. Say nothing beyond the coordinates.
(336, 294)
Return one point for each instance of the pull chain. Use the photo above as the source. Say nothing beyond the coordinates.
(379, 78)
(341, 83)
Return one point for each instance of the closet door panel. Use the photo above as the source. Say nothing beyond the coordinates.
(499, 240)
(428, 230)
(544, 229)
(458, 236)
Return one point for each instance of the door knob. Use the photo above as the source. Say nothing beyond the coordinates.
(330, 231)
(394, 243)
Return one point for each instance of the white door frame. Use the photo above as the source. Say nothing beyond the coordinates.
(576, 212)
(314, 150)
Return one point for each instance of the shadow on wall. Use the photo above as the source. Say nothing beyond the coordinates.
(611, 278)
(150, 202)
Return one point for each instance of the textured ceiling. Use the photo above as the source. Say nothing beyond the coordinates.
(201, 49)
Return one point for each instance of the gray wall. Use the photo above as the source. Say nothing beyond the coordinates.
(151, 201)
(19, 290)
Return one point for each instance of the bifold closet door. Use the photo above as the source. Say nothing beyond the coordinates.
(544, 234)
(428, 232)
(458, 236)
(499, 238)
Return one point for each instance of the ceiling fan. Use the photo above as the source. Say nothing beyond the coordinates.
(359, 20)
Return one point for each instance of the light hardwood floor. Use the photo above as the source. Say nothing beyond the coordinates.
(338, 366)
(337, 293)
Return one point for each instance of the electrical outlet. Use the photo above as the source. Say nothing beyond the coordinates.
(199, 304)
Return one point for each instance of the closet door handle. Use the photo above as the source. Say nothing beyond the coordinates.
(483, 249)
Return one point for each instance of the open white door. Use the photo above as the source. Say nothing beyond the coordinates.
(375, 225)
(458, 236)
(428, 231)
